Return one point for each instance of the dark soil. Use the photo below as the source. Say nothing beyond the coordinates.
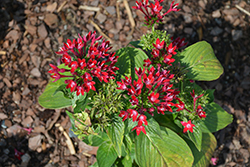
(32, 30)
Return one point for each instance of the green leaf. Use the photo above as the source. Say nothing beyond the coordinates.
(53, 101)
(202, 158)
(53, 97)
(195, 137)
(116, 134)
(201, 62)
(127, 161)
(216, 119)
(129, 58)
(106, 154)
(135, 44)
(161, 147)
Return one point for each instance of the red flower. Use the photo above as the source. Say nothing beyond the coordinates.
(71, 84)
(142, 119)
(87, 59)
(155, 15)
(134, 100)
(178, 42)
(139, 129)
(73, 65)
(132, 114)
(180, 106)
(121, 85)
(172, 8)
(168, 60)
(153, 98)
(159, 45)
(147, 62)
(18, 154)
(171, 49)
(187, 126)
(123, 114)
(66, 59)
(200, 112)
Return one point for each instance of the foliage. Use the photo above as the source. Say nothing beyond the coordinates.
(148, 87)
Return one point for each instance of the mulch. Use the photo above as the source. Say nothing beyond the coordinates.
(32, 30)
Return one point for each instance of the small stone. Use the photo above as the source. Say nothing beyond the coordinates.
(27, 121)
(236, 34)
(109, 24)
(16, 97)
(122, 37)
(26, 91)
(188, 30)
(42, 32)
(216, 31)
(52, 7)
(7, 82)
(202, 4)
(8, 123)
(51, 20)
(186, 9)
(111, 10)
(188, 18)
(216, 14)
(3, 116)
(35, 142)
(25, 160)
(32, 47)
(119, 24)
(47, 43)
(6, 44)
(236, 22)
(12, 131)
(36, 60)
(35, 72)
(232, 11)
(3, 143)
(6, 151)
(31, 29)
(236, 144)
(101, 18)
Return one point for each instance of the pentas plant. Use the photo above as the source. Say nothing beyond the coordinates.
(85, 62)
(141, 105)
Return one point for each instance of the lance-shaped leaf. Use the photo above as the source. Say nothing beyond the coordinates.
(201, 63)
(161, 147)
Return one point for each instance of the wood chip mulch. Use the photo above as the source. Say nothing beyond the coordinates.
(32, 30)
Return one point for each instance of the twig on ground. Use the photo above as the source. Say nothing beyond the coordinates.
(243, 10)
(118, 10)
(62, 5)
(90, 8)
(68, 140)
(130, 17)
(100, 31)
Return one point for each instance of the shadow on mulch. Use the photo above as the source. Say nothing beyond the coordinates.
(8, 158)
(10, 10)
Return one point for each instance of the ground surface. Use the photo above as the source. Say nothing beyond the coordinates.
(32, 30)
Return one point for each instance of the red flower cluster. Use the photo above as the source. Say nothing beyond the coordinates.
(85, 61)
(152, 11)
(152, 91)
(161, 54)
